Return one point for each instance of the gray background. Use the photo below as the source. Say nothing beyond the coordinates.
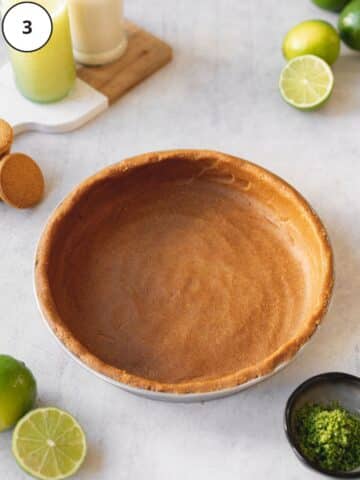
(221, 93)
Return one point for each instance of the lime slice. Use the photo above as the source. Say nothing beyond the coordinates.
(306, 82)
(49, 444)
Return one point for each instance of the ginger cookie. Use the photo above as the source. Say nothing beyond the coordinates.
(21, 181)
(6, 137)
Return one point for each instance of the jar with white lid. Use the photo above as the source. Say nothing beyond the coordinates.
(97, 30)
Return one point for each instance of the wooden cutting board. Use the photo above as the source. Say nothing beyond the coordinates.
(144, 56)
(96, 88)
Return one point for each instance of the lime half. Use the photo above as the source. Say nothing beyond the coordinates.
(49, 444)
(306, 82)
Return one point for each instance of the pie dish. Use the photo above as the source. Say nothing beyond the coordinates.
(184, 272)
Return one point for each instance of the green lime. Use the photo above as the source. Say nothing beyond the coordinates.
(49, 444)
(349, 25)
(306, 82)
(333, 5)
(312, 37)
(17, 391)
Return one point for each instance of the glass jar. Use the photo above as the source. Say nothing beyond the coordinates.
(48, 74)
(97, 28)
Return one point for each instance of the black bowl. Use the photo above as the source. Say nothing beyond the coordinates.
(325, 388)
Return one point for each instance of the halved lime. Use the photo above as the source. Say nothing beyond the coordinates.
(49, 444)
(306, 82)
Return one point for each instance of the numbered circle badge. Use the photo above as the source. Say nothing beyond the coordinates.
(27, 26)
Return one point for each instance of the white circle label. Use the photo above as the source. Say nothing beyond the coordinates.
(27, 26)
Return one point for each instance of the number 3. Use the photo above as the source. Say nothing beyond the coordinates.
(27, 27)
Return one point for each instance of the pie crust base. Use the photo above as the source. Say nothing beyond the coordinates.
(184, 272)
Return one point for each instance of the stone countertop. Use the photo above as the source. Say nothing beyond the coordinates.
(219, 93)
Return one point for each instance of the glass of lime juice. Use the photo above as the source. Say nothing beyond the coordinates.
(47, 74)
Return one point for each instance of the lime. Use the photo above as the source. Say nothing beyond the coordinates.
(333, 5)
(17, 391)
(49, 444)
(306, 82)
(349, 25)
(312, 37)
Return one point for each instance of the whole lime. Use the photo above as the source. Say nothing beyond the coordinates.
(333, 5)
(17, 391)
(349, 25)
(312, 37)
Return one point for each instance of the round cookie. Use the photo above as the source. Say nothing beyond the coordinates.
(6, 137)
(21, 181)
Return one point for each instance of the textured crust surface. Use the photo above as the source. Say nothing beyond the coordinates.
(283, 354)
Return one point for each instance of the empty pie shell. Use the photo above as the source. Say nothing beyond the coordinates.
(184, 272)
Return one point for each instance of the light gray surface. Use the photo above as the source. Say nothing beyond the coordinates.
(220, 92)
